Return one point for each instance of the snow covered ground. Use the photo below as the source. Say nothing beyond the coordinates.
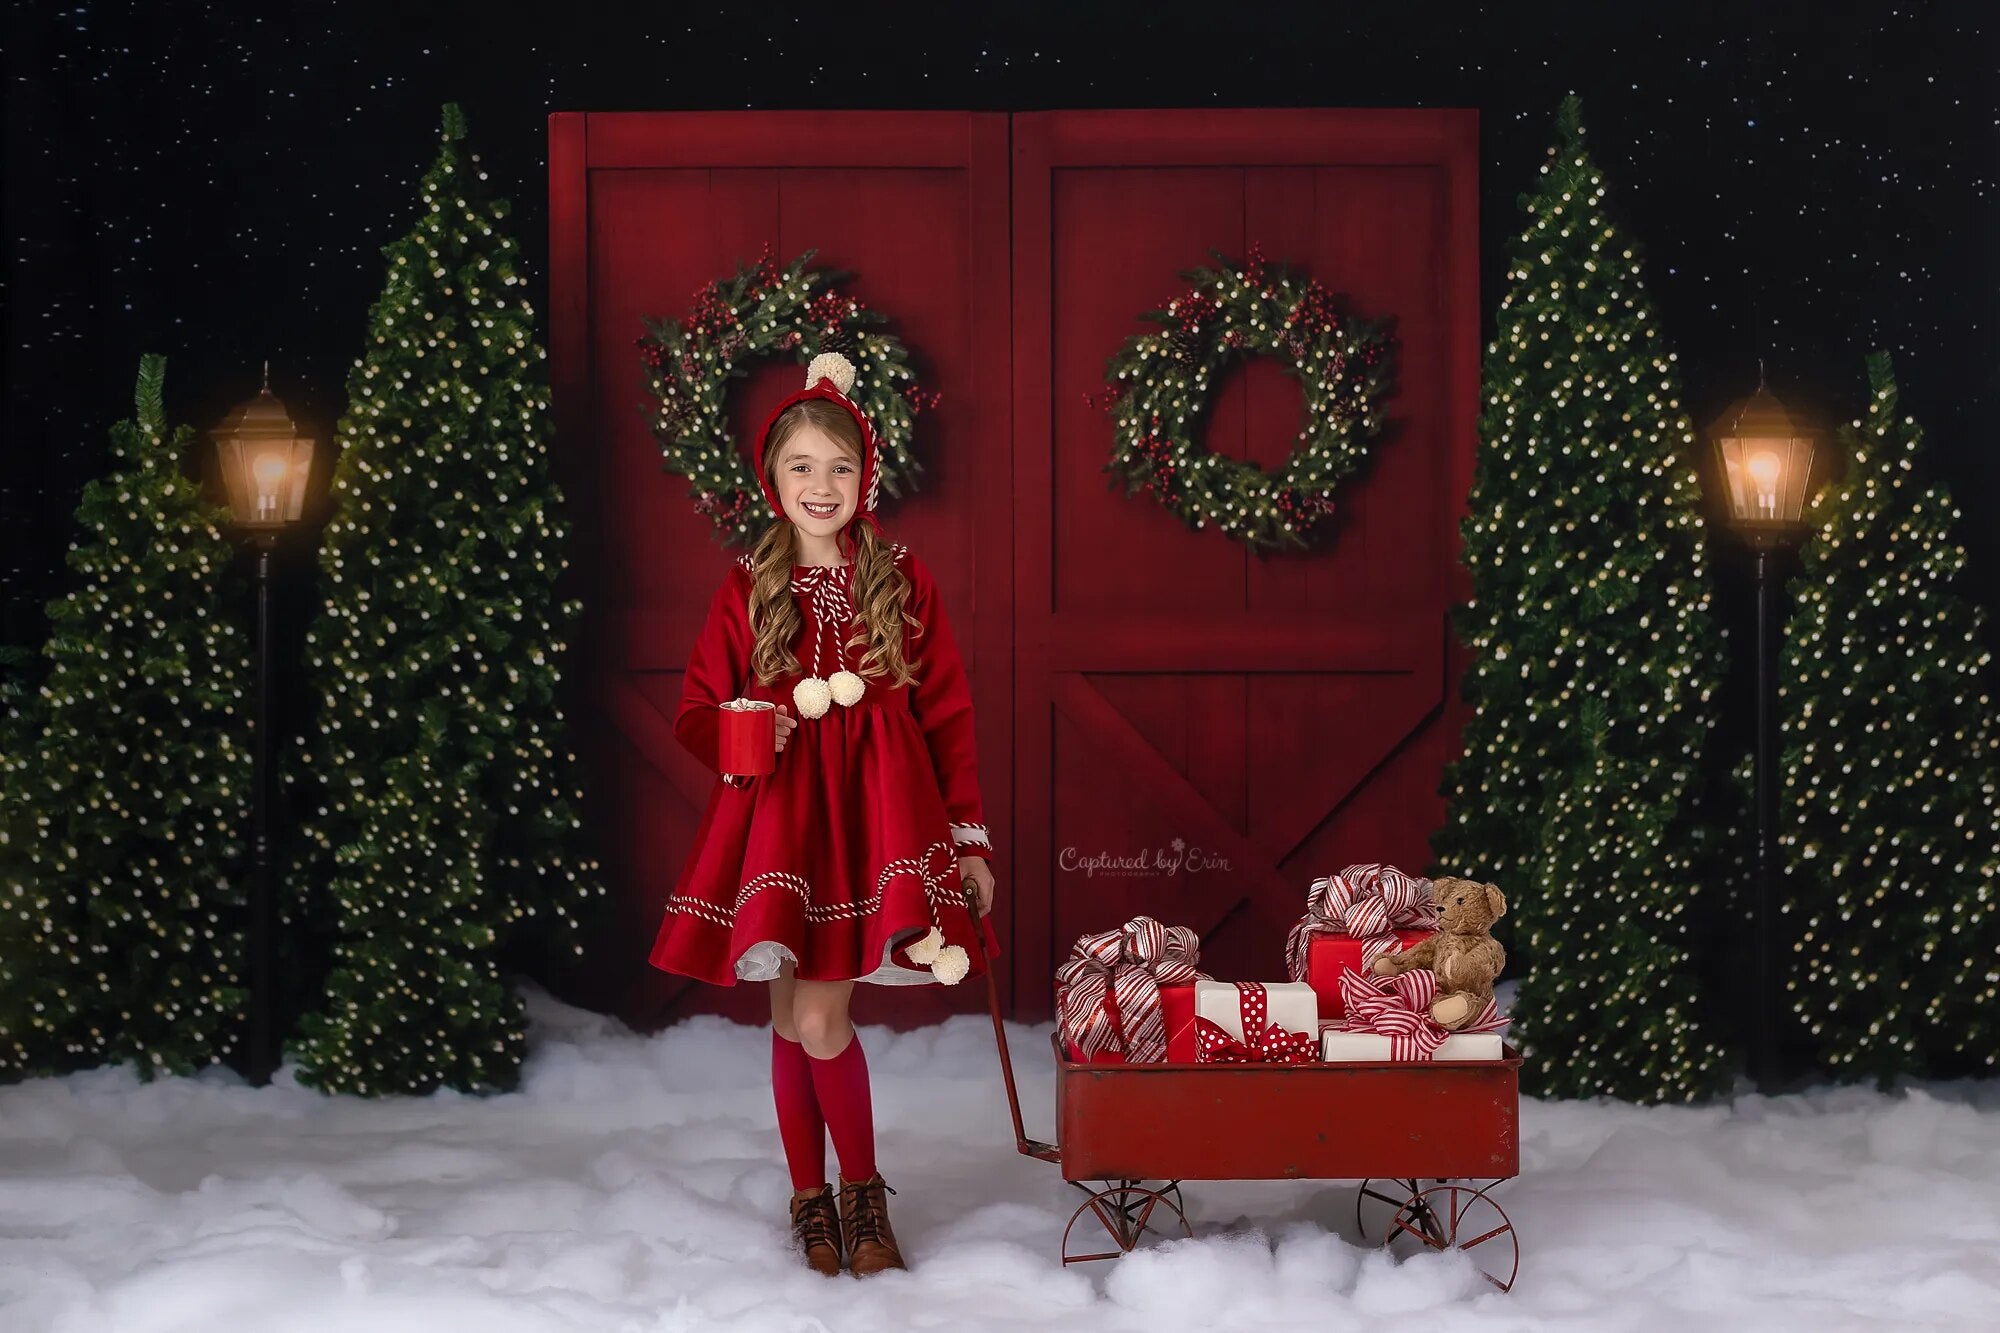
(637, 1184)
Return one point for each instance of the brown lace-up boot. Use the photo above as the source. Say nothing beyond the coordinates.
(864, 1227)
(816, 1228)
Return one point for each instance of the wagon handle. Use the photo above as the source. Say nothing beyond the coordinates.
(1024, 1145)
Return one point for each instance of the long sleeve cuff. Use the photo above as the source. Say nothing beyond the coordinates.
(971, 840)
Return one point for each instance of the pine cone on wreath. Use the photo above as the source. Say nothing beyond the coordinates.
(674, 419)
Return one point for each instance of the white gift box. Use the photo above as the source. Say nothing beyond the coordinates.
(1335, 1044)
(1292, 1005)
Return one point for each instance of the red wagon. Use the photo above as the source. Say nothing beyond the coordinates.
(1128, 1135)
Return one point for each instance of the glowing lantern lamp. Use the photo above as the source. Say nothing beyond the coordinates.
(1766, 455)
(266, 464)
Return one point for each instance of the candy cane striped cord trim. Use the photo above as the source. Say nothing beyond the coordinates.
(971, 835)
(874, 471)
(936, 890)
(825, 588)
(748, 563)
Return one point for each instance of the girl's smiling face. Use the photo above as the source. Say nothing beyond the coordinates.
(818, 481)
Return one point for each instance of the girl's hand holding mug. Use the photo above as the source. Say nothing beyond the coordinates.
(787, 724)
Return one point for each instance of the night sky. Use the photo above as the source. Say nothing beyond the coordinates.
(214, 181)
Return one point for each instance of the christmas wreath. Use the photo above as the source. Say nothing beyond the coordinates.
(1159, 385)
(764, 310)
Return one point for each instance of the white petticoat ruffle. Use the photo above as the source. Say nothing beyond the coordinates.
(761, 961)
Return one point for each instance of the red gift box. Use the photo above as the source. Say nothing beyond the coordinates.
(1177, 1010)
(747, 740)
(1328, 956)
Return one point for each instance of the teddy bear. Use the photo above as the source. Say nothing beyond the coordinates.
(1462, 955)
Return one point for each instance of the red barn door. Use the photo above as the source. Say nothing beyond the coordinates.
(1278, 718)
(1136, 683)
(644, 209)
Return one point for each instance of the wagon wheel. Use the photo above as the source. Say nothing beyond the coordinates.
(1171, 1192)
(1446, 1217)
(1374, 1209)
(1126, 1210)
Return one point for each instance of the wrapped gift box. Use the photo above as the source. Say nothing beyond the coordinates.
(1327, 956)
(1334, 1044)
(1292, 1005)
(1389, 1018)
(1177, 1008)
(1254, 1022)
(1142, 961)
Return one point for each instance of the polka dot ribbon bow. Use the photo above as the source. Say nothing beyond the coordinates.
(1263, 1041)
(1399, 1008)
(1108, 993)
(1368, 903)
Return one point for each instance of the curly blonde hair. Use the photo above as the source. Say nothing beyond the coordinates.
(879, 589)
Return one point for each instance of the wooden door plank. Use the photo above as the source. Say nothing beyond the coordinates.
(1106, 205)
(989, 441)
(1032, 325)
(651, 736)
(1152, 775)
(1239, 641)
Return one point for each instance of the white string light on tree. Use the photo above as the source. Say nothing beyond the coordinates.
(1595, 660)
(122, 784)
(1891, 798)
(444, 800)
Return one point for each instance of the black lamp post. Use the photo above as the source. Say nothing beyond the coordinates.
(1766, 455)
(266, 465)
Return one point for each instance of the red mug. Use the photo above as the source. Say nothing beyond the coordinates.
(748, 743)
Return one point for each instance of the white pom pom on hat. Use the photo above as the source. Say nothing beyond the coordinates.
(831, 366)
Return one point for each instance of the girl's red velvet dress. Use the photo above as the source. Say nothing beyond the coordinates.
(847, 852)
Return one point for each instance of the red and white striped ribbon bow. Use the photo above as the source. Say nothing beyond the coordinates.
(1399, 1008)
(1108, 992)
(1264, 1042)
(1368, 903)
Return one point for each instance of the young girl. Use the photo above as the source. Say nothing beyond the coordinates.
(844, 864)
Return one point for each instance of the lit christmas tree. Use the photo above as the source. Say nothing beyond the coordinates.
(1889, 814)
(1595, 660)
(447, 804)
(124, 787)
(16, 701)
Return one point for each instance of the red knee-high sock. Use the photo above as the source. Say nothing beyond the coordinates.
(842, 1084)
(800, 1124)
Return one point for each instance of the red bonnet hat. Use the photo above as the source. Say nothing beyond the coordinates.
(830, 376)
